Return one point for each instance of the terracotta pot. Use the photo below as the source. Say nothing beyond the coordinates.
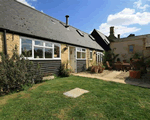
(100, 70)
(134, 74)
(96, 69)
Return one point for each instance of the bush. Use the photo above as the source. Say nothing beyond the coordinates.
(118, 59)
(16, 72)
(63, 72)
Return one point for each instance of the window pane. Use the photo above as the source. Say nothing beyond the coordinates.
(131, 46)
(39, 43)
(48, 44)
(48, 53)
(78, 54)
(83, 49)
(26, 47)
(78, 49)
(38, 52)
(56, 51)
(83, 55)
(90, 55)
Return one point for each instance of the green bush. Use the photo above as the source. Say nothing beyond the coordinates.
(15, 72)
(63, 72)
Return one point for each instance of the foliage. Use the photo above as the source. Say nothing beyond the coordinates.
(136, 55)
(15, 72)
(118, 59)
(109, 56)
(124, 56)
(63, 71)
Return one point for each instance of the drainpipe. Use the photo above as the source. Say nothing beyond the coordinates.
(5, 44)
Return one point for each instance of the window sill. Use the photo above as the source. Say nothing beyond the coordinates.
(43, 59)
(80, 59)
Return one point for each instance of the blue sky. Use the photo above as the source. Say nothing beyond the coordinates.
(127, 16)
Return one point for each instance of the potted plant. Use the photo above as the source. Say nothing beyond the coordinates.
(135, 72)
(94, 68)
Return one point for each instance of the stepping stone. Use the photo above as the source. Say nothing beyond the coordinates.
(112, 74)
(75, 92)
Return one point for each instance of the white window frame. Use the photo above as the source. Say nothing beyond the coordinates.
(81, 53)
(100, 55)
(33, 45)
(90, 55)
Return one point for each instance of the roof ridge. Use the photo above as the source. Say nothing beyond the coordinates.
(47, 15)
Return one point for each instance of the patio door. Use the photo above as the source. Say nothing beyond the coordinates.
(99, 57)
(72, 58)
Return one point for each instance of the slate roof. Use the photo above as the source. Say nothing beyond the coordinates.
(102, 36)
(20, 18)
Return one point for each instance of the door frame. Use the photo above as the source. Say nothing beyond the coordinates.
(75, 61)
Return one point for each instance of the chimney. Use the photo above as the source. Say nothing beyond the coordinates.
(118, 36)
(112, 30)
(67, 16)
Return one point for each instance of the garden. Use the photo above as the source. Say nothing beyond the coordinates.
(105, 100)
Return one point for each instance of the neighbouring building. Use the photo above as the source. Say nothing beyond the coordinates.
(47, 40)
(130, 45)
(101, 39)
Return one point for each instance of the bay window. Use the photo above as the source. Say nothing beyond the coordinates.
(38, 49)
(81, 53)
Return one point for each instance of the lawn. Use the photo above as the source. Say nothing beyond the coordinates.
(106, 100)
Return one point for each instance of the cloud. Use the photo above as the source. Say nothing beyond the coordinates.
(138, 4)
(128, 17)
(119, 29)
(26, 2)
(122, 21)
(42, 11)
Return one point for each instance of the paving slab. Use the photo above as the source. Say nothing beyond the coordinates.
(75, 92)
(112, 74)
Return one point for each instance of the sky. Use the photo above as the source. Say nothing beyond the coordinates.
(127, 16)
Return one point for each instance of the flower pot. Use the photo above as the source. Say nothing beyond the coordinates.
(96, 70)
(135, 74)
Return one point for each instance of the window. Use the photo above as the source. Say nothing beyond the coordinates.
(38, 49)
(26, 47)
(56, 51)
(92, 37)
(91, 55)
(131, 47)
(80, 33)
(81, 53)
(99, 57)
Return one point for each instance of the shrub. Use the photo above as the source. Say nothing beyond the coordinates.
(15, 72)
(118, 59)
(63, 72)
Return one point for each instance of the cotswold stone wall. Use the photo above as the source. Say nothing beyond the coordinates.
(1, 42)
(12, 40)
(122, 47)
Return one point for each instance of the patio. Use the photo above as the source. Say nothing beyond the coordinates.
(117, 76)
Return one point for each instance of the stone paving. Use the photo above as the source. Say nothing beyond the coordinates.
(75, 92)
(118, 76)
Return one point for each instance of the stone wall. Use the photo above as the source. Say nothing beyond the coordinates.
(122, 47)
(12, 40)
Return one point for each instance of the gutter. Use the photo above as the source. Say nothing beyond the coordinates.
(5, 43)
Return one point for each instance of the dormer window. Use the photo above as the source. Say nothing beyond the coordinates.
(92, 37)
(62, 23)
(80, 33)
(53, 22)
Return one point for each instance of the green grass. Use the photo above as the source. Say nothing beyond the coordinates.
(105, 101)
